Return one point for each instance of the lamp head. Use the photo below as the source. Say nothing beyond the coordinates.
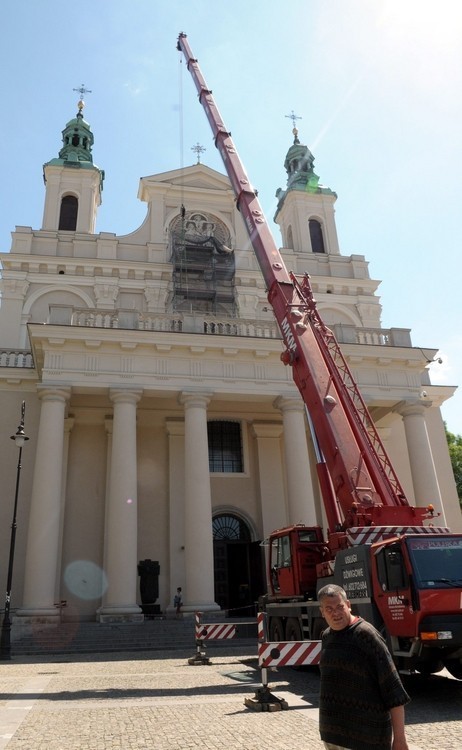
(20, 437)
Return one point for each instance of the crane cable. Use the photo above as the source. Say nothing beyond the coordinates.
(181, 148)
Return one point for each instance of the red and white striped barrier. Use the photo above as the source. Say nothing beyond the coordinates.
(289, 654)
(215, 631)
(261, 627)
(210, 631)
(285, 653)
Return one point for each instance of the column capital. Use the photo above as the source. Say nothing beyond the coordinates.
(412, 407)
(191, 398)
(106, 292)
(267, 429)
(125, 395)
(174, 427)
(15, 286)
(53, 393)
(289, 403)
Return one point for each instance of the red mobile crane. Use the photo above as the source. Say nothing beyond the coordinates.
(399, 570)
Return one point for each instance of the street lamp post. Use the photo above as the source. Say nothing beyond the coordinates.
(5, 640)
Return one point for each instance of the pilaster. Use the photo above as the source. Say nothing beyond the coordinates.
(176, 472)
(298, 474)
(272, 491)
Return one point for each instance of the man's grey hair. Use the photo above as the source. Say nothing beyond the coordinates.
(331, 590)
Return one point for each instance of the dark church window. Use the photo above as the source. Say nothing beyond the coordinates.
(75, 140)
(68, 213)
(317, 240)
(290, 238)
(225, 447)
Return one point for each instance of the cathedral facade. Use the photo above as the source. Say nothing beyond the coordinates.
(164, 431)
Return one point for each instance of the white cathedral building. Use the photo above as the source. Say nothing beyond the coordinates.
(163, 428)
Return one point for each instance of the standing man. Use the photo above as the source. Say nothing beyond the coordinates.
(178, 602)
(362, 698)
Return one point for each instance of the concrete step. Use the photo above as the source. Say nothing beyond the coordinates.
(92, 637)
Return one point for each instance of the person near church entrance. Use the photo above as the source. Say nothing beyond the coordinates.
(362, 698)
(178, 601)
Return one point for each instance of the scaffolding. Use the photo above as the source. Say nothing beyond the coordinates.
(203, 266)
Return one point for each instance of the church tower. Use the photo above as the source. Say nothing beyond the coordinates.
(305, 211)
(73, 183)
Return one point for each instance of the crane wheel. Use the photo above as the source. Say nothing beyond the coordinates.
(276, 630)
(293, 630)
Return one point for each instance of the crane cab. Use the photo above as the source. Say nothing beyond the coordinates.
(294, 553)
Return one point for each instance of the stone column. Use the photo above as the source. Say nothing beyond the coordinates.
(43, 541)
(121, 526)
(199, 575)
(298, 472)
(272, 492)
(426, 487)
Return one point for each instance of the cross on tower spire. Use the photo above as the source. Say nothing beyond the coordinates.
(82, 90)
(199, 150)
(294, 118)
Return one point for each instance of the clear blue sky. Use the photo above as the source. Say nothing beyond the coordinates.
(377, 83)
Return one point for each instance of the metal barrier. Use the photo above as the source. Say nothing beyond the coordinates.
(210, 631)
(283, 654)
(270, 654)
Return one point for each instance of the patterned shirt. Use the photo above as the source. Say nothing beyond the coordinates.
(359, 686)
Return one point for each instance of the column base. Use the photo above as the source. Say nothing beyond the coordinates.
(128, 613)
(188, 610)
(39, 615)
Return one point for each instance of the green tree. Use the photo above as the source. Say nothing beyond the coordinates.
(455, 453)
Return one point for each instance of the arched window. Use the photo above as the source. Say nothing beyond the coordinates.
(225, 447)
(230, 528)
(317, 240)
(68, 213)
(290, 238)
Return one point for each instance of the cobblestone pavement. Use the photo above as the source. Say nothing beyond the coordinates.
(159, 701)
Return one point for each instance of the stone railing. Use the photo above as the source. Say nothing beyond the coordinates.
(174, 323)
(16, 358)
(348, 334)
(196, 323)
(186, 323)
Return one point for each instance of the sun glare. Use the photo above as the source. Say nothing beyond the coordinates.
(423, 23)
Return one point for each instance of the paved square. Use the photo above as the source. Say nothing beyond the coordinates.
(159, 702)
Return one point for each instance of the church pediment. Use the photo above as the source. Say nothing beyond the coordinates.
(198, 176)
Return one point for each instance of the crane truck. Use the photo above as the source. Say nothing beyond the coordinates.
(401, 572)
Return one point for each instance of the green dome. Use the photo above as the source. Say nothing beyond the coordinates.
(300, 173)
(77, 144)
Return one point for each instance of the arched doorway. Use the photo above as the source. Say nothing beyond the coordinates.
(238, 565)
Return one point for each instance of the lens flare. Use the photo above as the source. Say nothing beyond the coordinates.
(85, 580)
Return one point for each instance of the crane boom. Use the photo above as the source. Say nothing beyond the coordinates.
(363, 481)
